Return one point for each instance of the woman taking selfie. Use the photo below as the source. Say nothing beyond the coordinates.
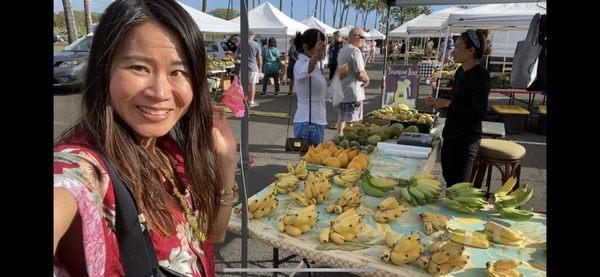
(148, 120)
(466, 110)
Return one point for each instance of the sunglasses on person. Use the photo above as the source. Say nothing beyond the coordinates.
(359, 36)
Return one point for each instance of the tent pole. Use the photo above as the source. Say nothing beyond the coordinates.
(437, 90)
(505, 48)
(385, 56)
(244, 76)
(487, 63)
(406, 49)
(437, 53)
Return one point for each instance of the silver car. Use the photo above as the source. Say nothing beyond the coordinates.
(70, 64)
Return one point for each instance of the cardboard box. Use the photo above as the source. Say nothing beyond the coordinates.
(225, 83)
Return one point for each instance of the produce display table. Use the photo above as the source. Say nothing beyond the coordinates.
(365, 252)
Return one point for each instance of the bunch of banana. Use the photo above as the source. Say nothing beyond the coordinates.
(503, 268)
(474, 239)
(503, 235)
(327, 172)
(301, 171)
(347, 177)
(507, 204)
(421, 190)
(261, 207)
(316, 189)
(404, 250)
(389, 209)
(447, 257)
(463, 197)
(345, 227)
(377, 186)
(349, 199)
(300, 223)
(434, 221)
(286, 183)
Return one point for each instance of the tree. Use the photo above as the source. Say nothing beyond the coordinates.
(204, 6)
(226, 14)
(88, 16)
(335, 9)
(315, 10)
(70, 20)
(281, 5)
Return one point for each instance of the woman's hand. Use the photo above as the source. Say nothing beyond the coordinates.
(224, 144)
(437, 103)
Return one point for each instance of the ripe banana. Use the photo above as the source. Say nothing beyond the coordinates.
(346, 227)
(502, 234)
(445, 258)
(474, 239)
(406, 249)
(505, 267)
(303, 221)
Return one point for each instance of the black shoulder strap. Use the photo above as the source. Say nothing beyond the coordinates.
(135, 247)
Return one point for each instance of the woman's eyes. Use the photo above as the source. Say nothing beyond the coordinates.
(179, 73)
(139, 68)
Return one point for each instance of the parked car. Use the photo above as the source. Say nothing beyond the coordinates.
(70, 64)
(63, 36)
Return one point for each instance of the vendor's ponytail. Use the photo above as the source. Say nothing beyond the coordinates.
(486, 49)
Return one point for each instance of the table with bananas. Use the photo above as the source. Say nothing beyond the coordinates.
(352, 217)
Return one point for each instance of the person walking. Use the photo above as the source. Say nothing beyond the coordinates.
(292, 58)
(271, 62)
(353, 78)
(254, 66)
(333, 52)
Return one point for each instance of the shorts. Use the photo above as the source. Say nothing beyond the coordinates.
(317, 132)
(351, 111)
(254, 77)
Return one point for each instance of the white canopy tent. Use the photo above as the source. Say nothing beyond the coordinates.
(209, 24)
(496, 17)
(376, 34)
(267, 20)
(432, 23)
(345, 31)
(313, 22)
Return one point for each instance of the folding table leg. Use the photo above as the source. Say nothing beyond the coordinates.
(275, 260)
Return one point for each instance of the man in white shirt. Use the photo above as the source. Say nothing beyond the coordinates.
(353, 78)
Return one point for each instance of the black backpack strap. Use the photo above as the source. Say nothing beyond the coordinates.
(136, 251)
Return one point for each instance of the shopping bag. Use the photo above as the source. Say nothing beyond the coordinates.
(334, 93)
(525, 61)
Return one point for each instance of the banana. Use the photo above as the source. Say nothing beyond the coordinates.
(385, 255)
(429, 195)
(371, 190)
(347, 228)
(348, 236)
(303, 201)
(330, 208)
(474, 239)
(518, 200)
(505, 232)
(291, 169)
(458, 186)
(506, 264)
(515, 214)
(405, 194)
(305, 228)
(423, 175)
(440, 257)
(398, 258)
(337, 238)
(281, 226)
(423, 261)
(289, 219)
(324, 237)
(405, 244)
(455, 205)
(339, 181)
(416, 194)
(459, 262)
(390, 239)
(253, 204)
(428, 227)
(382, 182)
(293, 231)
(435, 246)
(507, 187)
(388, 203)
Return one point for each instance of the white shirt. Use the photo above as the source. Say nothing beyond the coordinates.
(319, 88)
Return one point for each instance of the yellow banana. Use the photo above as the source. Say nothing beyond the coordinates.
(293, 231)
(427, 227)
(440, 257)
(505, 264)
(304, 228)
(324, 237)
(398, 258)
(388, 204)
(390, 239)
(385, 255)
(348, 236)
(281, 226)
(337, 238)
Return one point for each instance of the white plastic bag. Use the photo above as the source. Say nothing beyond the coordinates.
(334, 93)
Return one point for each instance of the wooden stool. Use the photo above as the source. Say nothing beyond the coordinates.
(502, 154)
(513, 116)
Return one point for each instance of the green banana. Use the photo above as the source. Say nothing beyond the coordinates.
(428, 191)
(371, 190)
(467, 192)
(429, 195)
(470, 201)
(459, 186)
(515, 214)
(405, 194)
(455, 205)
(416, 193)
(381, 182)
(518, 200)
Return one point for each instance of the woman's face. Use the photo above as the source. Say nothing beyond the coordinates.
(150, 87)
(461, 53)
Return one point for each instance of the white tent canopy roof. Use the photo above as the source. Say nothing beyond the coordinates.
(345, 31)
(313, 22)
(376, 34)
(401, 31)
(209, 24)
(434, 22)
(268, 20)
(455, 2)
(497, 16)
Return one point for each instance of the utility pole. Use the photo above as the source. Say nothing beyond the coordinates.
(70, 21)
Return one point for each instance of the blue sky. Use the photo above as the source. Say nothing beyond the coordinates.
(300, 11)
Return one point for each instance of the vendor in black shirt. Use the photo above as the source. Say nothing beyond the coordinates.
(466, 108)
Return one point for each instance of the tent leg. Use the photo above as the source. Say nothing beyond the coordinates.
(385, 56)
(437, 90)
(505, 47)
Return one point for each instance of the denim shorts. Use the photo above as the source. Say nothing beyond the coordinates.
(317, 132)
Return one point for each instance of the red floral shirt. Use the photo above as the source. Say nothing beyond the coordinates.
(79, 170)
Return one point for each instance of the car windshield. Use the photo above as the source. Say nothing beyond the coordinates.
(81, 45)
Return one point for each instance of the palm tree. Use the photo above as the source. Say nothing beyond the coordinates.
(335, 9)
(204, 2)
(70, 21)
(88, 15)
(316, 6)
(281, 5)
